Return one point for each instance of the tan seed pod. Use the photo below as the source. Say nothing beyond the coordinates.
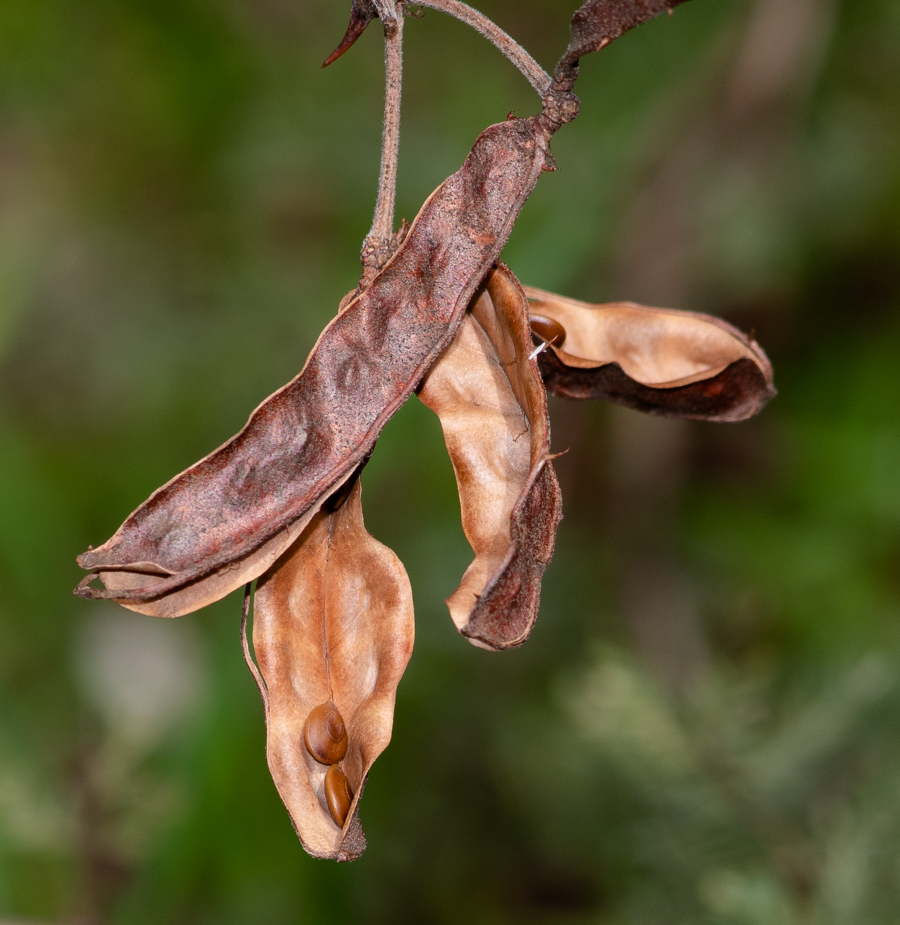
(656, 360)
(332, 633)
(325, 734)
(488, 395)
(338, 794)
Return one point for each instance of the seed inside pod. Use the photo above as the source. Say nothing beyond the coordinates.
(325, 734)
(548, 330)
(338, 794)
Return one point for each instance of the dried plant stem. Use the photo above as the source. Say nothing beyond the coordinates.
(377, 246)
(381, 242)
(533, 72)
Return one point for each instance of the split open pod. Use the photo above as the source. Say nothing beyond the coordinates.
(332, 634)
(487, 392)
(656, 360)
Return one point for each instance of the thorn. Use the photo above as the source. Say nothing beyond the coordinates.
(540, 349)
(361, 15)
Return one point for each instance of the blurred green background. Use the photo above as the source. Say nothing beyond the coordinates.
(705, 724)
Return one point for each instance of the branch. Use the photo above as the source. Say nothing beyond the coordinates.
(377, 247)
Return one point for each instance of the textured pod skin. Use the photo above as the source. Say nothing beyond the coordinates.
(493, 411)
(735, 394)
(597, 22)
(260, 489)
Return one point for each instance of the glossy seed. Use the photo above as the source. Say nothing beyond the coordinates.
(338, 794)
(548, 330)
(325, 734)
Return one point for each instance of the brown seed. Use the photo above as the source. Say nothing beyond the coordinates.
(548, 330)
(325, 734)
(338, 794)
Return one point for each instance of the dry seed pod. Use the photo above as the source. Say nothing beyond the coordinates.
(597, 22)
(225, 520)
(325, 734)
(332, 623)
(338, 795)
(493, 412)
(657, 360)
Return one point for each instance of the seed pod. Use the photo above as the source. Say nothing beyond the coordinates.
(338, 794)
(332, 633)
(597, 22)
(548, 330)
(226, 519)
(325, 734)
(656, 360)
(493, 411)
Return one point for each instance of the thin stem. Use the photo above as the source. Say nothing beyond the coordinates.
(379, 238)
(534, 73)
(381, 242)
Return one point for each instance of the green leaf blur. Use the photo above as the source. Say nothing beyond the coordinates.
(705, 725)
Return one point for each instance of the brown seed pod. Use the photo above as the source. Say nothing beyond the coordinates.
(228, 518)
(597, 22)
(325, 734)
(656, 360)
(332, 627)
(338, 794)
(493, 411)
(548, 330)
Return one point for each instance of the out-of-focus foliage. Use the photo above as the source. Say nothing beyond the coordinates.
(704, 726)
